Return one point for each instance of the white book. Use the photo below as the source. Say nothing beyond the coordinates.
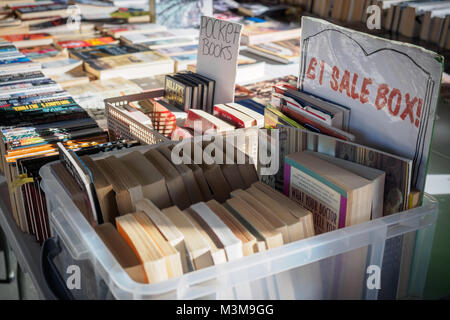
(19, 68)
(231, 244)
(255, 115)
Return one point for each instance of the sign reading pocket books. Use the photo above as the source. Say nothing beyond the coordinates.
(217, 56)
(391, 88)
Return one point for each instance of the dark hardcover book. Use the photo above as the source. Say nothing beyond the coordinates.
(49, 24)
(202, 89)
(253, 105)
(43, 112)
(19, 100)
(26, 84)
(109, 50)
(195, 103)
(211, 88)
(178, 93)
(41, 8)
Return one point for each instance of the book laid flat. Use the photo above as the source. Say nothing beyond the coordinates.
(337, 197)
(167, 229)
(29, 40)
(287, 51)
(145, 248)
(152, 181)
(127, 188)
(121, 251)
(69, 44)
(130, 66)
(268, 31)
(198, 250)
(205, 122)
(236, 118)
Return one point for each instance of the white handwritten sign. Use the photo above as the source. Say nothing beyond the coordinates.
(218, 53)
(391, 88)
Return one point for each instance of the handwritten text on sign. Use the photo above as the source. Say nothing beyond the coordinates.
(398, 103)
(218, 52)
(391, 88)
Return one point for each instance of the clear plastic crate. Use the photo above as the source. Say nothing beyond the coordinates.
(333, 265)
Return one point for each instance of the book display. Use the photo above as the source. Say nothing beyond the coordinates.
(200, 149)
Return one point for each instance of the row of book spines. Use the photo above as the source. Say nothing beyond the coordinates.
(241, 217)
(394, 18)
(27, 198)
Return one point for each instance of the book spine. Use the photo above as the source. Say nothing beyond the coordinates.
(224, 115)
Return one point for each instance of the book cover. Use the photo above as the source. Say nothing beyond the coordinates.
(42, 52)
(108, 50)
(26, 37)
(86, 43)
(176, 93)
(32, 8)
(286, 51)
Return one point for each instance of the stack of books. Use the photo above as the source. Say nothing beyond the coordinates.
(36, 114)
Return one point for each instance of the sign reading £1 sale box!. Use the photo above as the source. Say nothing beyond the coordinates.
(217, 56)
(391, 88)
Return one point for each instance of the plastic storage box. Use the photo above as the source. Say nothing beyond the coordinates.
(366, 261)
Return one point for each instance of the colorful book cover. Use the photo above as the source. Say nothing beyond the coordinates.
(40, 8)
(40, 52)
(175, 92)
(326, 200)
(26, 37)
(127, 13)
(86, 43)
(16, 60)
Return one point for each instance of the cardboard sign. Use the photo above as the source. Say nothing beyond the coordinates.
(391, 88)
(217, 56)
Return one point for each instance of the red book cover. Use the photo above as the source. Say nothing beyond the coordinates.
(27, 36)
(196, 122)
(86, 43)
(224, 115)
